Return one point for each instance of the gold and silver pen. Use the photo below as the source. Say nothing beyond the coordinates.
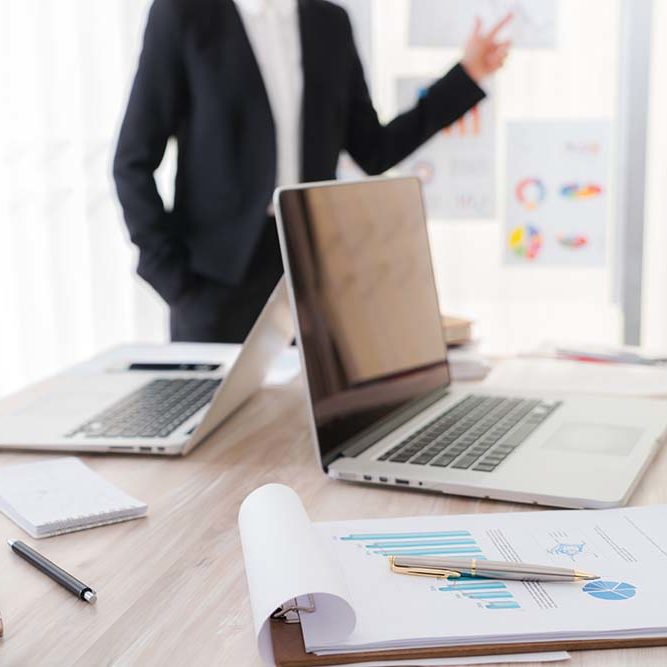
(452, 568)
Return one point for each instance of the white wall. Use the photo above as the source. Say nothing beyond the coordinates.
(654, 315)
(67, 285)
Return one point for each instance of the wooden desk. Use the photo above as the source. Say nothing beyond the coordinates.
(172, 587)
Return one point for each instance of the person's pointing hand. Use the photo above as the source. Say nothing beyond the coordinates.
(485, 54)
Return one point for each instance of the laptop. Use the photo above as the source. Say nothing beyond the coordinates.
(381, 405)
(147, 412)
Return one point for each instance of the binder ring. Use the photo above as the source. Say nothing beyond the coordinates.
(290, 613)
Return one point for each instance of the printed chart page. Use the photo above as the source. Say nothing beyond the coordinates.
(625, 547)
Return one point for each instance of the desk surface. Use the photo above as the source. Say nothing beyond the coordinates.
(171, 587)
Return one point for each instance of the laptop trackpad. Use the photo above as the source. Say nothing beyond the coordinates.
(594, 439)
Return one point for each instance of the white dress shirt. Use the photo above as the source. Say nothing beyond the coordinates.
(272, 27)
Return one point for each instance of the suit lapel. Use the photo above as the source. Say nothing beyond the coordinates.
(250, 100)
(308, 113)
(253, 86)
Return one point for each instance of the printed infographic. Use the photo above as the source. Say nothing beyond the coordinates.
(457, 166)
(557, 193)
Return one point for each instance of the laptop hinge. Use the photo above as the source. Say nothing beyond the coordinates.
(366, 439)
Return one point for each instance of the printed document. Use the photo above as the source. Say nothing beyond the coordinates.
(340, 570)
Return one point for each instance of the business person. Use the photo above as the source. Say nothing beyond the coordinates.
(257, 93)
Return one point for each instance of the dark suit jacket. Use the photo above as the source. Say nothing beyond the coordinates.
(211, 97)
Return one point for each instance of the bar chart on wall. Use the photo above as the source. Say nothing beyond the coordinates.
(457, 166)
(483, 593)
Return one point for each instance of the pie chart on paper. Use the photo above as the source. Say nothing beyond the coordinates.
(610, 590)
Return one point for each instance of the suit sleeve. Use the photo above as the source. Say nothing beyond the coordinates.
(154, 111)
(376, 147)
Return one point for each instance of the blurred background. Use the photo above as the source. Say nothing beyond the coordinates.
(67, 269)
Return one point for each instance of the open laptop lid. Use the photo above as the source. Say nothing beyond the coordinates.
(358, 264)
(270, 335)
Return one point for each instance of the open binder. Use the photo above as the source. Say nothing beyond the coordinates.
(324, 594)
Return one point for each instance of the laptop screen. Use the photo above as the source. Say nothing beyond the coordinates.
(369, 323)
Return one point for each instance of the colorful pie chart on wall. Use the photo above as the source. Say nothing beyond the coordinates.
(578, 191)
(573, 242)
(526, 242)
(425, 171)
(530, 193)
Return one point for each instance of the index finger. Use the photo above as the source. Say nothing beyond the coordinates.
(493, 33)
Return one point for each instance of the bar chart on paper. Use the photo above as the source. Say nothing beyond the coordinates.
(484, 593)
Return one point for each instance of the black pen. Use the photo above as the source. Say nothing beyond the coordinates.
(51, 570)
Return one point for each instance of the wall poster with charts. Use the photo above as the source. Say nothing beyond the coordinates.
(447, 23)
(457, 166)
(557, 193)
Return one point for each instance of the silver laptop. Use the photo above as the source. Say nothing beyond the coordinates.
(144, 412)
(382, 411)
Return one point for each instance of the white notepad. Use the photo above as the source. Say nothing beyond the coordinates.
(62, 495)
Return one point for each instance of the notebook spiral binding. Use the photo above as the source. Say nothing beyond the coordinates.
(81, 522)
(289, 613)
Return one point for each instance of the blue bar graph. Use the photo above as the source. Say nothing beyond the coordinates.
(473, 552)
(405, 536)
(472, 586)
(425, 543)
(503, 605)
(485, 593)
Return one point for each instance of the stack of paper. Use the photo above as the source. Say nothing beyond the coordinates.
(561, 376)
(360, 605)
(466, 363)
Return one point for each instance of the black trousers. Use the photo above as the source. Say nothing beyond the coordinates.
(213, 313)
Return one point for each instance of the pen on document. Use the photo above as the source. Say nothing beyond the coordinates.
(488, 569)
(51, 570)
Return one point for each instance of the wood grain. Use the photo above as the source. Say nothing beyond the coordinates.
(172, 587)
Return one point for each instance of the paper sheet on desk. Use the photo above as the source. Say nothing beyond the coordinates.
(564, 376)
(626, 547)
(286, 557)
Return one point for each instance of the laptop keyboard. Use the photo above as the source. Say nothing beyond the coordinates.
(152, 411)
(478, 433)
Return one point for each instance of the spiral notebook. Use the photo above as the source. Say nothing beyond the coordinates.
(61, 496)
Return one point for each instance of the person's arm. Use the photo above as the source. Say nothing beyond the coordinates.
(376, 147)
(155, 109)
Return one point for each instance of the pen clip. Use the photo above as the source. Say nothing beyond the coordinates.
(437, 572)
